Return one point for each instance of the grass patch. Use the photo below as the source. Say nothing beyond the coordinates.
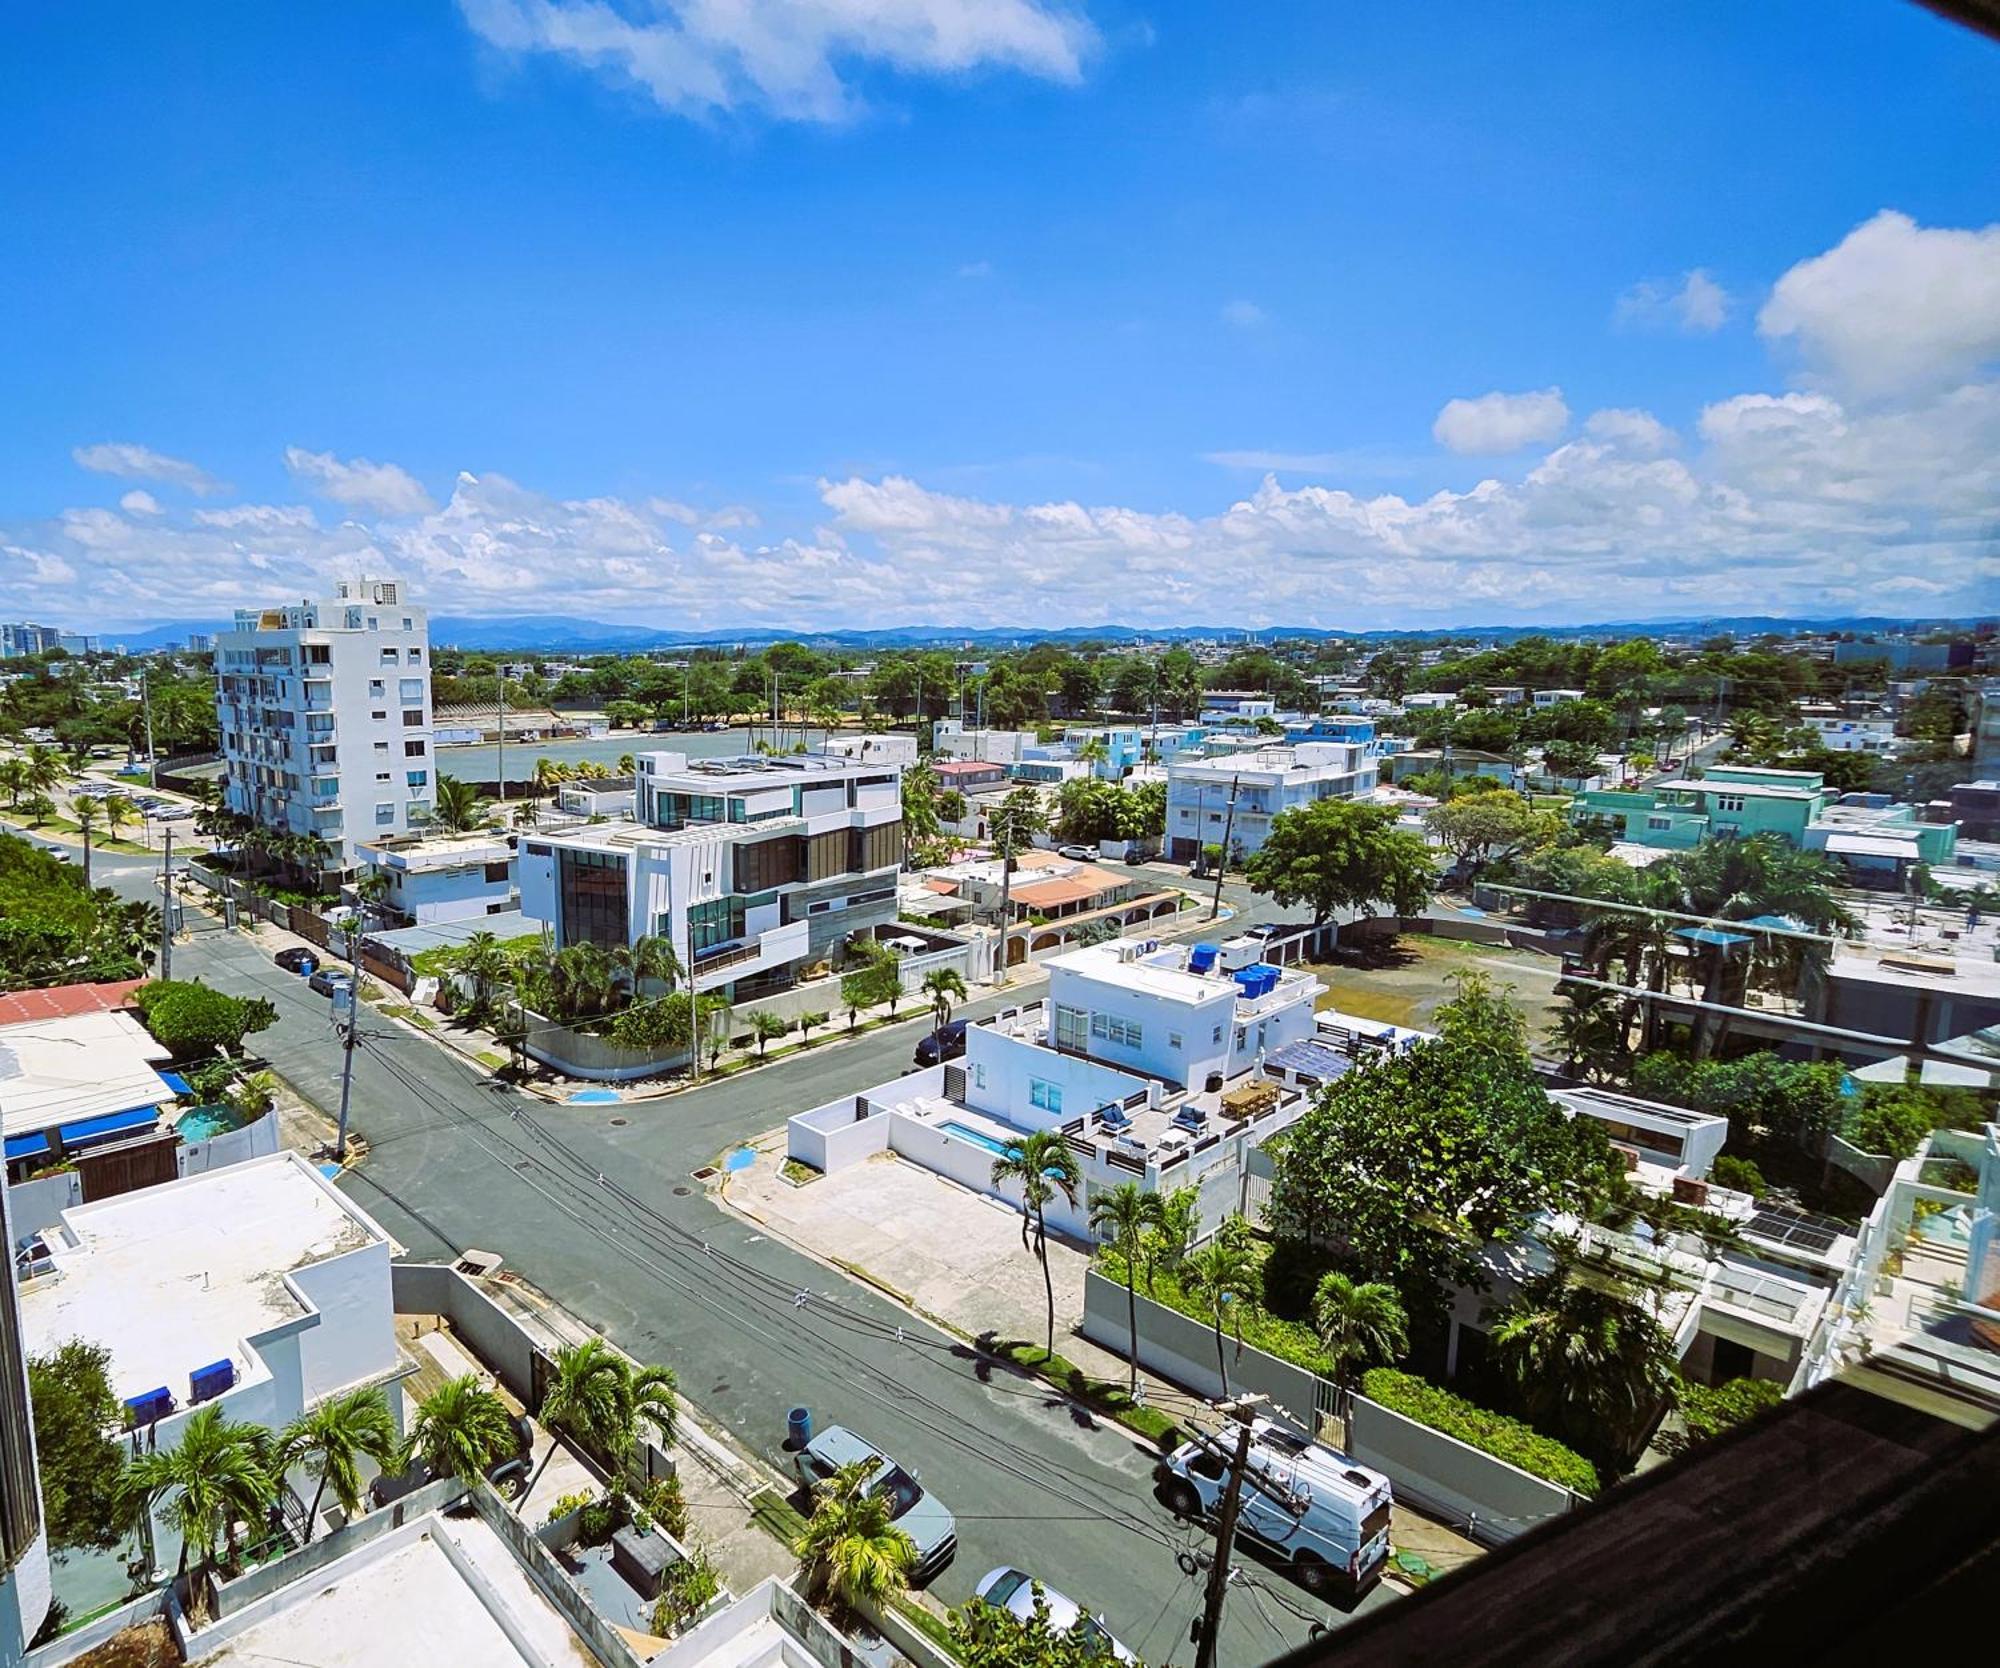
(798, 1172)
(777, 1517)
(931, 1625)
(868, 1279)
(1100, 1395)
(491, 1061)
(430, 964)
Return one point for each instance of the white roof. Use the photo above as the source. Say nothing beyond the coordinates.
(57, 1071)
(442, 1590)
(173, 1277)
(1872, 845)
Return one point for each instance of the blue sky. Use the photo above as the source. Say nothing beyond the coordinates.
(999, 311)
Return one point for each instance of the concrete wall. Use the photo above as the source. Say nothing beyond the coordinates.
(355, 1340)
(832, 1136)
(999, 1068)
(37, 1205)
(1429, 1469)
(493, 1335)
(232, 1597)
(253, 1140)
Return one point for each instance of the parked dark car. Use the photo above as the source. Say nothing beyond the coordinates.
(939, 1046)
(297, 960)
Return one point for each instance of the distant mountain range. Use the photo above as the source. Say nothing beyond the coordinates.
(559, 634)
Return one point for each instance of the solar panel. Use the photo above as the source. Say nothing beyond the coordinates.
(1806, 1233)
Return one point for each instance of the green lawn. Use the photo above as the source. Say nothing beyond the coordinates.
(1405, 983)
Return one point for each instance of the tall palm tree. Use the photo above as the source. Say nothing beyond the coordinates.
(456, 805)
(45, 767)
(650, 958)
(582, 980)
(86, 813)
(219, 1471)
(590, 1399)
(310, 854)
(767, 1027)
(1122, 1215)
(117, 810)
(1589, 1029)
(1044, 1166)
(14, 778)
(462, 1429)
(943, 986)
(1226, 1270)
(338, 1434)
(920, 809)
(1093, 752)
(1173, 1231)
(1584, 1357)
(851, 1551)
(1357, 1321)
(481, 959)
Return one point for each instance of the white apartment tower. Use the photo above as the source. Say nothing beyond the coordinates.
(325, 709)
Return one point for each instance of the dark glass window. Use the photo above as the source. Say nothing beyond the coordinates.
(592, 889)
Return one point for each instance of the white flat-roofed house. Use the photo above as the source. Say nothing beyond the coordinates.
(445, 877)
(76, 1081)
(751, 868)
(1149, 1060)
(873, 749)
(260, 1287)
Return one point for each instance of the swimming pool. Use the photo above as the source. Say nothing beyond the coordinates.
(978, 1137)
(204, 1123)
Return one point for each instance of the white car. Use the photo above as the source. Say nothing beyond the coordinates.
(1013, 1590)
(1077, 854)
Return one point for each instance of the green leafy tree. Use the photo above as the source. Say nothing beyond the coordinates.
(1342, 854)
(82, 1466)
(1358, 1322)
(118, 810)
(1044, 1166)
(190, 1019)
(1708, 1410)
(1121, 1215)
(1484, 828)
(1588, 1363)
(334, 1438)
(851, 1551)
(461, 1429)
(988, 1636)
(1016, 821)
(1407, 1166)
(1589, 1030)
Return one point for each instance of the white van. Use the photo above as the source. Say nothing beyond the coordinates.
(1305, 1503)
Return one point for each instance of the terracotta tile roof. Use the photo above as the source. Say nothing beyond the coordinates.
(61, 1001)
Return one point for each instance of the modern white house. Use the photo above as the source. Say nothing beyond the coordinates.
(1264, 783)
(325, 715)
(1147, 1058)
(873, 749)
(955, 740)
(753, 868)
(1545, 698)
(444, 877)
(259, 1286)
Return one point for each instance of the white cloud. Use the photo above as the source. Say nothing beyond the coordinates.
(133, 462)
(139, 502)
(1893, 306)
(1245, 315)
(1639, 433)
(1495, 424)
(976, 269)
(1697, 305)
(790, 58)
(363, 485)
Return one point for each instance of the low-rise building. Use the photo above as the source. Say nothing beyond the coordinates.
(78, 1080)
(1738, 800)
(1265, 782)
(954, 739)
(1545, 698)
(970, 775)
(601, 796)
(444, 877)
(751, 868)
(1879, 842)
(1148, 1059)
(873, 749)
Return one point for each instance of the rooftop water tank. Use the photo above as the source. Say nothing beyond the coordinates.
(1201, 958)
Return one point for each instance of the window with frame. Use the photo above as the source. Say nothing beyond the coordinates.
(1659, 825)
(1071, 1024)
(411, 749)
(411, 719)
(1126, 1033)
(1729, 802)
(1174, 1041)
(591, 887)
(1045, 1095)
(384, 815)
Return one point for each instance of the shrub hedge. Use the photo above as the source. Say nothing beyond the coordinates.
(1492, 1433)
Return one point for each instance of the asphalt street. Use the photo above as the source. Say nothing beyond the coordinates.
(595, 1205)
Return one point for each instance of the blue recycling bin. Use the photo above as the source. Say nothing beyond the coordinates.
(798, 1427)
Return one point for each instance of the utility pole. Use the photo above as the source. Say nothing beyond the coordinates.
(167, 907)
(348, 1034)
(1225, 1534)
(146, 704)
(503, 732)
(1222, 865)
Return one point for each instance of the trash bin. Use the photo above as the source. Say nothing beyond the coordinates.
(798, 1427)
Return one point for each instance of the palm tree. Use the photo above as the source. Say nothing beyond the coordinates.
(590, 1399)
(851, 1551)
(14, 778)
(45, 768)
(1016, 821)
(651, 958)
(766, 1027)
(1173, 1231)
(943, 986)
(628, 764)
(218, 1472)
(656, 1401)
(117, 810)
(462, 1429)
(86, 813)
(1356, 1321)
(1584, 1357)
(457, 804)
(1588, 1028)
(920, 811)
(1093, 752)
(340, 1433)
(582, 980)
(1227, 1271)
(485, 963)
(1044, 1166)
(1122, 1215)
(310, 854)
